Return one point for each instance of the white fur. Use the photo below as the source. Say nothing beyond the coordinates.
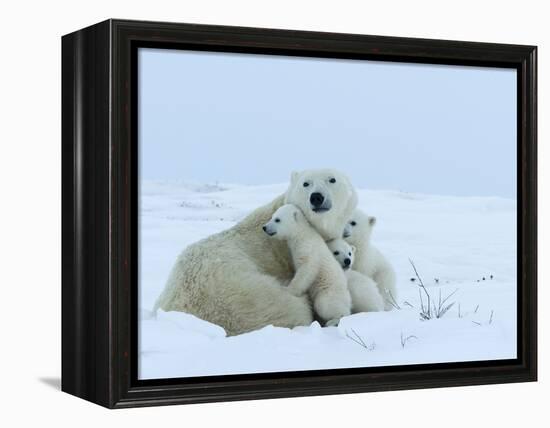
(365, 296)
(340, 195)
(368, 259)
(317, 272)
(236, 278)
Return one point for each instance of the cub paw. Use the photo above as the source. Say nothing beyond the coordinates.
(333, 322)
(294, 292)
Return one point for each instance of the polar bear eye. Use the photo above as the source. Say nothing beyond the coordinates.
(336, 253)
(306, 184)
(353, 223)
(277, 220)
(349, 254)
(332, 180)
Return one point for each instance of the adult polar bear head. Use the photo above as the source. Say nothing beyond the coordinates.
(325, 196)
(236, 278)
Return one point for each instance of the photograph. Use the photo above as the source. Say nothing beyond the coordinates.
(298, 213)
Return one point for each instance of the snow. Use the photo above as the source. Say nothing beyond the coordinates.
(456, 240)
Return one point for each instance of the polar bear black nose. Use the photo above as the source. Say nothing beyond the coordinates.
(347, 261)
(316, 199)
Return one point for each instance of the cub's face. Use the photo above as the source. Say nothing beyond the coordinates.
(326, 198)
(283, 222)
(359, 227)
(343, 252)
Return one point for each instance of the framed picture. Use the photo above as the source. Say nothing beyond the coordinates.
(254, 213)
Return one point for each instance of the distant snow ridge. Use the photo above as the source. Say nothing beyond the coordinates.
(467, 244)
(150, 186)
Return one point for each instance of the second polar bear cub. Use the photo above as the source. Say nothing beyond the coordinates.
(316, 270)
(365, 296)
(368, 259)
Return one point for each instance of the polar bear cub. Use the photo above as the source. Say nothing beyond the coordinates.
(316, 271)
(368, 259)
(365, 296)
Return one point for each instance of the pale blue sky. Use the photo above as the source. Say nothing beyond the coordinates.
(252, 119)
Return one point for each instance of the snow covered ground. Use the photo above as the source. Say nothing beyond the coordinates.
(456, 243)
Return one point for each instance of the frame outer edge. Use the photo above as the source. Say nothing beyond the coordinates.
(531, 169)
(85, 215)
(70, 371)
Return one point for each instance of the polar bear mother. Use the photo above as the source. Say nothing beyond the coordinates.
(236, 278)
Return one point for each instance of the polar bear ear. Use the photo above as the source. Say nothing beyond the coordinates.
(353, 249)
(294, 176)
(372, 220)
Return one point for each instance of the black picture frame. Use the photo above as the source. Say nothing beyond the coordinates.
(99, 213)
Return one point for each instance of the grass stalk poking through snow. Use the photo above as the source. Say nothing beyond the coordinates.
(425, 310)
(391, 300)
(442, 308)
(428, 310)
(359, 340)
(404, 339)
